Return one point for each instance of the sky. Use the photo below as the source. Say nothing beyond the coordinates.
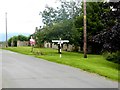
(22, 15)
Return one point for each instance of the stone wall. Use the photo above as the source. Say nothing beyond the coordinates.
(2, 44)
(54, 46)
(65, 47)
(22, 43)
(47, 44)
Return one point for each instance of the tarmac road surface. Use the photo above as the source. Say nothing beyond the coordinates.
(0, 69)
(22, 71)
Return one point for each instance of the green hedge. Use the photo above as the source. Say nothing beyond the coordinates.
(114, 57)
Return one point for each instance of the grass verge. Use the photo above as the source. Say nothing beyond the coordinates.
(94, 63)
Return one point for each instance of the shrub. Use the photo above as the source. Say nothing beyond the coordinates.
(114, 57)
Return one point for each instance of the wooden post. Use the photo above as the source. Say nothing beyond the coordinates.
(85, 34)
(6, 29)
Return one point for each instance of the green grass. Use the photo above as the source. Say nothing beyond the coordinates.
(94, 63)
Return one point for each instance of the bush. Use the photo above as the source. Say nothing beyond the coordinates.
(114, 57)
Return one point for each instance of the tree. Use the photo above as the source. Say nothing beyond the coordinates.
(94, 25)
(39, 36)
(9, 41)
(48, 15)
(110, 36)
(60, 23)
(67, 10)
(14, 39)
(22, 38)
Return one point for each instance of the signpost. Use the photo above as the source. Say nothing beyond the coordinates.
(60, 42)
(32, 43)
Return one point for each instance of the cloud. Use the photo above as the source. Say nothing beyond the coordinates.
(23, 15)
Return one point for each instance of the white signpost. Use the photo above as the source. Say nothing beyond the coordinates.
(32, 43)
(60, 42)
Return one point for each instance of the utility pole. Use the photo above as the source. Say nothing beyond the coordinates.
(85, 33)
(6, 29)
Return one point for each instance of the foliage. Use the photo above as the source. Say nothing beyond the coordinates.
(114, 57)
(103, 28)
(67, 10)
(13, 40)
(22, 38)
(94, 24)
(60, 23)
(48, 15)
(9, 42)
(39, 37)
(110, 36)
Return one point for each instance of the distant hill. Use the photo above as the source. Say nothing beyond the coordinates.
(3, 35)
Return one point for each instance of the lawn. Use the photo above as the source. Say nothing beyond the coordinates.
(94, 63)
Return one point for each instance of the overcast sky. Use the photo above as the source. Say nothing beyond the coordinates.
(23, 15)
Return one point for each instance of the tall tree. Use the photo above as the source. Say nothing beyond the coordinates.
(48, 15)
(94, 23)
(110, 36)
(67, 10)
(62, 23)
(22, 38)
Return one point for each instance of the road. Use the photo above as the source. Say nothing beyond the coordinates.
(22, 71)
(0, 69)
